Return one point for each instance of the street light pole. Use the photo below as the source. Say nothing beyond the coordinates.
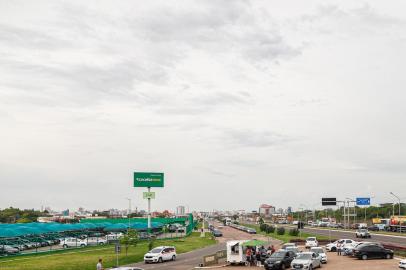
(129, 213)
(400, 220)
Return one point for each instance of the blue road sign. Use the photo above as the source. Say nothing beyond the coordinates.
(363, 201)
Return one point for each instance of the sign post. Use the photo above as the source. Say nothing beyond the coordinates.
(148, 180)
(366, 202)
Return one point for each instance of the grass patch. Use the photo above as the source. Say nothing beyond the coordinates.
(86, 258)
(285, 237)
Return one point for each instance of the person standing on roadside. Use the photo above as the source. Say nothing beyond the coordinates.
(339, 249)
(99, 265)
(248, 255)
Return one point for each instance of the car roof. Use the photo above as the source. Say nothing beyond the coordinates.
(316, 248)
(307, 252)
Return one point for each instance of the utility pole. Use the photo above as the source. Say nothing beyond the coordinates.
(149, 211)
(400, 209)
(129, 213)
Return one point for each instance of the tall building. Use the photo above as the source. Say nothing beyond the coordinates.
(180, 210)
(266, 210)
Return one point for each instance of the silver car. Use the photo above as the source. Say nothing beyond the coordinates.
(306, 260)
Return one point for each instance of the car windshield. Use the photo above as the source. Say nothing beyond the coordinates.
(304, 256)
(311, 239)
(156, 250)
(278, 254)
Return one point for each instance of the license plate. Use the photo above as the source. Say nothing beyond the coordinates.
(297, 266)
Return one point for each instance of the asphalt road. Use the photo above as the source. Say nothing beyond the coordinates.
(184, 261)
(386, 239)
(193, 258)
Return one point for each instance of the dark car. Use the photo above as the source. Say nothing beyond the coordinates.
(217, 233)
(371, 251)
(279, 260)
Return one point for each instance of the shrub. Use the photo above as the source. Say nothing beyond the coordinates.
(293, 232)
(263, 227)
(270, 229)
(280, 231)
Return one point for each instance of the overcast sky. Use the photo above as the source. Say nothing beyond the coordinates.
(238, 102)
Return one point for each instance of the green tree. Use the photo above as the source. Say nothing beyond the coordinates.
(129, 239)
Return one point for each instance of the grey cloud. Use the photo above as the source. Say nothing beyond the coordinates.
(332, 19)
(379, 165)
(204, 103)
(27, 38)
(146, 48)
(253, 138)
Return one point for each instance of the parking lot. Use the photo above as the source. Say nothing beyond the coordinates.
(334, 262)
(342, 262)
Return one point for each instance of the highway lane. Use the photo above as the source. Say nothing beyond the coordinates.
(184, 261)
(387, 239)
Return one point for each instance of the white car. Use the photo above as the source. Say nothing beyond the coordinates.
(160, 254)
(320, 251)
(362, 233)
(311, 242)
(96, 241)
(114, 236)
(306, 260)
(72, 242)
(402, 264)
(342, 242)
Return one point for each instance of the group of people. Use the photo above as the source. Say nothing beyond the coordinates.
(255, 255)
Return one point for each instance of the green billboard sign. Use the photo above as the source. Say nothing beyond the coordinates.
(147, 179)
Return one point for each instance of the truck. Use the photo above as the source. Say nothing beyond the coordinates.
(397, 223)
(227, 221)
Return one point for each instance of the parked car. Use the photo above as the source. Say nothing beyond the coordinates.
(96, 241)
(73, 242)
(362, 233)
(181, 230)
(320, 251)
(311, 242)
(217, 233)
(367, 251)
(306, 260)
(294, 249)
(377, 227)
(251, 231)
(284, 246)
(402, 264)
(333, 246)
(279, 260)
(160, 254)
(8, 250)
